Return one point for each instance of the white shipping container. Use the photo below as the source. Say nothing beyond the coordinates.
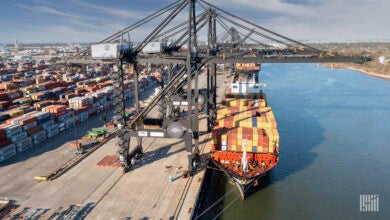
(41, 115)
(153, 47)
(7, 152)
(23, 141)
(62, 127)
(39, 135)
(18, 136)
(108, 89)
(40, 139)
(108, 50)
(13, 129)
(24, 144)
(17, 120)
(53, 128)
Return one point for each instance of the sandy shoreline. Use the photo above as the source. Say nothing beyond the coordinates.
(381, 76)
(376, 75)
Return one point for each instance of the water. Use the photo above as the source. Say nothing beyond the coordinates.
(334, 127)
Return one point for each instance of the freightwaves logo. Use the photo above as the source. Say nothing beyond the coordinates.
(369, 203)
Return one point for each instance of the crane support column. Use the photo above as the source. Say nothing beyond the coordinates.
(139, 149)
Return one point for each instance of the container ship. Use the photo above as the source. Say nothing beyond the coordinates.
(245, 136)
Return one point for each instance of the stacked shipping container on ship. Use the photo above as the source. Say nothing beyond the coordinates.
(245, 138)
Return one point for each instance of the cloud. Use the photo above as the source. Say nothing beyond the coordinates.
(112, 11)
(333, 20)
(53, 11)
(65, 33)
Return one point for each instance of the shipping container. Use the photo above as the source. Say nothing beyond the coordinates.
(39, 137)
(7, 152)
(154, 47)
(17, 136)
(110, 50)
(24, 144)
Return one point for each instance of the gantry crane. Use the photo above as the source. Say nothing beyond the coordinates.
(265, 46)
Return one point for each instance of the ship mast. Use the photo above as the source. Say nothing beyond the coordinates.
(243, 159)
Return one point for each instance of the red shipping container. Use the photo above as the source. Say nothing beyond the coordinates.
(34, 130)
(247, 133)
(3, 136)
(265, 144)
(5, 142)
(12, 107)
(27, 121)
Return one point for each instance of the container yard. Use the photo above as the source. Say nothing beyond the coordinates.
(38, 106)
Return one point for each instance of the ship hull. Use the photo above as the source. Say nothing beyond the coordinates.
(242, 184)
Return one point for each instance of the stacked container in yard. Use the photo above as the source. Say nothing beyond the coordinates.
(70, 122)
(14, 132)
(39, 137)
(39, 105)
(8, 85)
(52, 130)
(7, 149)
(4, 104)
(22, 101)
(65, 116)
(42, 117)
(83, 116)
(47, 124)
(55, 110)
(81, 104)
(30, 90)
(100, 99)
(15, 112)
(28, 122)
(24, 144)
(4, 117)
(38, 96)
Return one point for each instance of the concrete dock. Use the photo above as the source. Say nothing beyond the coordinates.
(145, 192)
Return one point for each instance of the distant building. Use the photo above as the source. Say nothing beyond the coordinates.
(383, 60)
(18, 44)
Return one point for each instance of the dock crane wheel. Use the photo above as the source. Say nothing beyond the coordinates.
(139, 153)
(127, 167)
(195, 162)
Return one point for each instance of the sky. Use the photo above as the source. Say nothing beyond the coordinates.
(48, 21)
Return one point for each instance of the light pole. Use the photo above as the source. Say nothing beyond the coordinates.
(75, 130)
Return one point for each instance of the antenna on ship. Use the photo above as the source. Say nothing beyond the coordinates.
(243, 159)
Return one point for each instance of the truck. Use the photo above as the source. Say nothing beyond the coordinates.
(97, 133)
(4, 203)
